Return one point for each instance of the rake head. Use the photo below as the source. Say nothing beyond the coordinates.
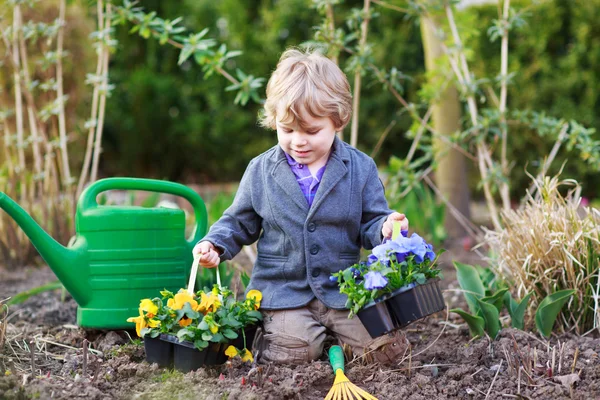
(343, 389)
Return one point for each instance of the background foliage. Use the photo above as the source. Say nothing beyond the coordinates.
(187, 128)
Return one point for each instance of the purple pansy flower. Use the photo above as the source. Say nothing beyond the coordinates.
(382, 251)
(375, 280)
(402, 247)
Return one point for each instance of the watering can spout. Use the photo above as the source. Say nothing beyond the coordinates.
(65, 262)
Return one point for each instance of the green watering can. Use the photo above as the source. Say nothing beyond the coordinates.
(121, 254)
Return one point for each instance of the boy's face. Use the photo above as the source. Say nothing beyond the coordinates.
(308, 146)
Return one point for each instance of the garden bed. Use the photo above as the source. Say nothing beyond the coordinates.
(443, 364)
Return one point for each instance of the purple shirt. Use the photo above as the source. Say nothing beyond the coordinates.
(308, 183)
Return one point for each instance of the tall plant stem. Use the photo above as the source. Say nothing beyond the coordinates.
(18, 96)
(331, 25)
(483, 153)
(102, 107)
(62, 126)
(31, 115)
(364, 29)
(94, 113)
(504, 190)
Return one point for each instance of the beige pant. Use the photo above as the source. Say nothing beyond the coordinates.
(296, 336)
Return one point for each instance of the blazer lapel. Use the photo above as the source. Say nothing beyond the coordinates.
(334, 172)
(283, 175)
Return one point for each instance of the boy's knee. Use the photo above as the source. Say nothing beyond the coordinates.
(288, 349)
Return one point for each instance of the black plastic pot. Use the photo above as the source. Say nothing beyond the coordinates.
(377, 319)
(409, 304)
(186, 357)
(158, 351)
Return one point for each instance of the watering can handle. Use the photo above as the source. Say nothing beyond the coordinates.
(88, 197)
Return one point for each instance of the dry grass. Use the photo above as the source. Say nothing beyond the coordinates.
(548, 244)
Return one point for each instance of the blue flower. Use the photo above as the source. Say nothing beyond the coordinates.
(371, 259)
(430, 253)
(414, 245)
(382, 251)
(333, 278)
(374, 280)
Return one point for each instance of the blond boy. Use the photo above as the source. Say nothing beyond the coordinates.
(312, 202)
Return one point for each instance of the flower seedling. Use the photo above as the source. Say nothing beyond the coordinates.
(392, 265)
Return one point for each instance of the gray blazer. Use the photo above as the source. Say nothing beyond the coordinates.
(299, 247)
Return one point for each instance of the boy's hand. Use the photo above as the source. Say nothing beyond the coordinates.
(388, 225)
(209, 257)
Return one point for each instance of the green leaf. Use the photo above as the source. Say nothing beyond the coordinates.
(548, 310)
(470, 283)
(189, 312)
(245, 279)
(145, 331)
(491, 317)
(217, 337)
(203, 325)
(497, 299)
(229, 334)
(185, 53)
(207, 336)
(476, 324)
(184, 332)
(21, 297)
(200, 344)
(517, 310)
(420, 278)
(254, 314)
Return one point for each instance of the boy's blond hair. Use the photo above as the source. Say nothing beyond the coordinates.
(307, 81)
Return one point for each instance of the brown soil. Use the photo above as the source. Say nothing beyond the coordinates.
(444, 363)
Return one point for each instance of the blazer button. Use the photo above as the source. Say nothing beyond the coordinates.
(312, 226)
(316, 272)
(314, 249)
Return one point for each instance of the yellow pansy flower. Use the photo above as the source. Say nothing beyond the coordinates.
(140, 323)
(256, 295)
(153, 323)
(208, 303)
(247, 356)
(214, 327)
(177, 302)
(149, 307)
(231, 351)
